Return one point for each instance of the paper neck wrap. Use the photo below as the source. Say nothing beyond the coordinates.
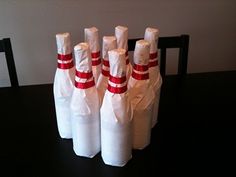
(153, 59)
(105, 67)
(105, 62)
(141, 60)
(109, 43)
(96, 60)
(151, 35)
(91, 37)
(84, 75)
(117, 79)
(83, 66)
(65, 65)
(64, 53)
(65, 61)
(121, 33)
(141, 75)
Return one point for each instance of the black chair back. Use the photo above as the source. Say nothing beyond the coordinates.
(5, 46)
(181, 42)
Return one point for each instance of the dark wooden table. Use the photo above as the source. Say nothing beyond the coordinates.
(195, 135)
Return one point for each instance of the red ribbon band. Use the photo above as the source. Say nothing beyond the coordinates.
(106, 63)
(65, 65)
(84, 75)
(153, 63)
(95, 54)
(117, 80)
(105, 73)
(140, 67)
(96, 62)
(153, 55)
(140, 76)
(118, 90)
(64, 57)
(85, 85)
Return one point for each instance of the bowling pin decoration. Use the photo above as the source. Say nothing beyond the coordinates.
(92, 38)
(121, 33)
(116, 114)
(64, 84)
(151, 35)
(85, 106)
(109, 43)
(141, 96)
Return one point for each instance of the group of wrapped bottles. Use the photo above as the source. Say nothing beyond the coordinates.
(106, 103)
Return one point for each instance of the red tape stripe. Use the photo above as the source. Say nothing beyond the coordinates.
(85, 85)
(96, 62)
(65, 65)
(140, 76)
(117, 80)
(95, 54)
(84, 75)
(153, 55)
(140, 67)
(64, 57)
(105, 73)
(153, 63)
(118, 90)
(106, 63)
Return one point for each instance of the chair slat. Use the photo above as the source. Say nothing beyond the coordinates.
(6, 47)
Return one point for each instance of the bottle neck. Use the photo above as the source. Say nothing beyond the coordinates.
(117, 85)
(65, 61)
(153, 62)
(84, 80)
(140, 72)
(105, 67)
(96, 60)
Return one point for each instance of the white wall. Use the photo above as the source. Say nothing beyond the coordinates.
(32, 25)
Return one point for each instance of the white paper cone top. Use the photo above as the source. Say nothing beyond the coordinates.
(151, 35)
(83, 57)
(117, 62)
(121, 33)
(63, 43)
(92, 38)
(109, 43)
(141, 52)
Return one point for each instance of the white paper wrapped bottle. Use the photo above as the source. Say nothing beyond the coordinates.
(64, 84)
(121, 33)
(116, 114)
(141, 96)
(92, 38)
(151, 35)
(85, 106)
(109, 43)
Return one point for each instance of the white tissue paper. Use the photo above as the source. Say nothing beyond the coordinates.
(141, 96)
(64, 84)
(116, 114)
(92, 38)
(121, 33)
(151, 35)
(109, 43)
(85, 106)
